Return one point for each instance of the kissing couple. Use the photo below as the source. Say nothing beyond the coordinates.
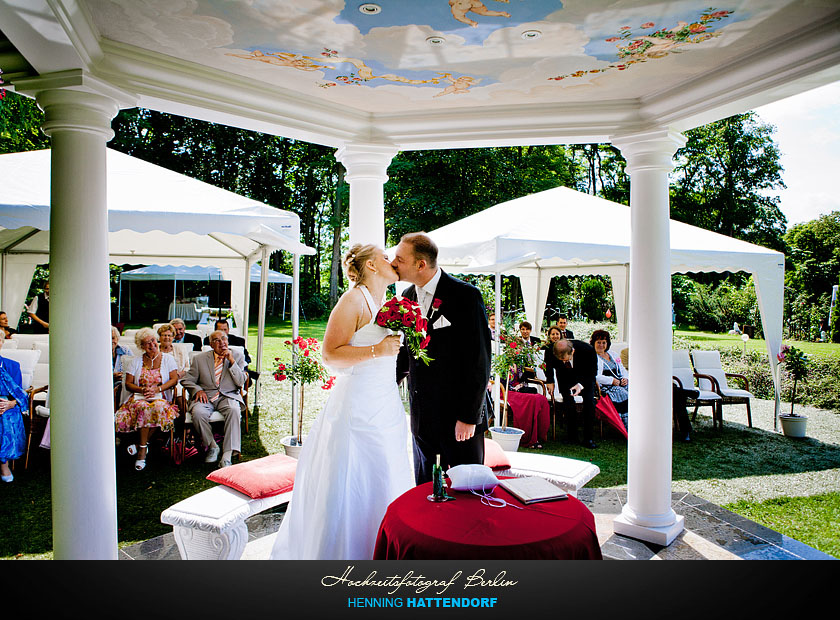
(355, 461)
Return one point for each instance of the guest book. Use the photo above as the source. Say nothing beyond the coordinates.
(532, 489)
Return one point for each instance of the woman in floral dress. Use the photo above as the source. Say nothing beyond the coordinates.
(150, 379)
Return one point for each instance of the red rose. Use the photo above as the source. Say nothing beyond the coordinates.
(425, 342)
(407, 320)
(436, 303)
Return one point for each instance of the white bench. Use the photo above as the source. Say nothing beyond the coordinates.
(211, 525)
(568, 474)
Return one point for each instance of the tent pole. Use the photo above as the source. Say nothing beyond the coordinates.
(498, 309)
(295, 326)
(119, 301)
(261, 319)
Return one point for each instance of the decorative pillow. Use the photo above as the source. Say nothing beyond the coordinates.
(494, 455)
(264, 477)
(472, 477)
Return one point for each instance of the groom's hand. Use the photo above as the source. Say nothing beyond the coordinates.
(464, 431)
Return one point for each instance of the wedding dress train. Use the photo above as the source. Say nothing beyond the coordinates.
(354, 462)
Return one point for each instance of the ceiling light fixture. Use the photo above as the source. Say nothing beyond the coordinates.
(435, 40)
(530, 35)
(370, 8)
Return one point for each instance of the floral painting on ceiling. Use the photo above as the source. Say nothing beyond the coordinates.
(391, 53)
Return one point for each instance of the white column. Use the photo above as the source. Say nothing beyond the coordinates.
(367, 167)
(648, 515)
(84, 505)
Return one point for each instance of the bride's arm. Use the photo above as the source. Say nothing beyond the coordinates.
(343, 323)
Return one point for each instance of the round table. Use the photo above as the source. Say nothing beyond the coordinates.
(465, 529)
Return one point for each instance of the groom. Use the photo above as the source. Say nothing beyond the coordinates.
(447, 396)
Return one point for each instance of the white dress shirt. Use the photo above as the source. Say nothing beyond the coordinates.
(426, 293)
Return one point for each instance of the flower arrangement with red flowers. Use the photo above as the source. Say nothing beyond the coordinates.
(306, 367)
(514, 355)
(403, 315)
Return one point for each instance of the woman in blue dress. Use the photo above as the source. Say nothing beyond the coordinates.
(13, 400)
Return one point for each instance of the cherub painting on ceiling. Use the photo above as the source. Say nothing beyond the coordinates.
(636, 48)
(460, 8)
(364, 73)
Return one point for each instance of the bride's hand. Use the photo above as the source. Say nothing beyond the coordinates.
(389, 346)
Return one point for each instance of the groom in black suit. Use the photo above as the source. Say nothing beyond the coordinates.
(447, 397)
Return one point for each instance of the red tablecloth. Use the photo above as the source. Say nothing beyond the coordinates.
(465, 529)
(531, 413)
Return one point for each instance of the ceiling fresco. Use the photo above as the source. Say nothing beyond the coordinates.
(400, 55)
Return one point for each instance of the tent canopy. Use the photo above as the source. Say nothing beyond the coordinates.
(565, 232)
(182, 272)
(155, 216)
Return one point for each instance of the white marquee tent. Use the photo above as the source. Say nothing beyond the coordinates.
(561, 232)
(155, 217)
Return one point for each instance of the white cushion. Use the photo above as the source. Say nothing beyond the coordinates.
(27, 341)
(568, 474)
(41, 375)
(42, 411)
(9, 344)
(27, 358)
(44, 348)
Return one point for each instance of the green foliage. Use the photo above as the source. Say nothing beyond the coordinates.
(428, 189)
(722, 179)
(593, 299)
(716, 308)
(813, 264)
(20, 125)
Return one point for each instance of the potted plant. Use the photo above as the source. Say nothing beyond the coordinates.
(796, 363)
(514, 355)
(306, 367)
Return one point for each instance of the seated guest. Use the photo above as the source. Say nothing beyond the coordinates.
(612, 376)
(13, 402)
(39, 311)
(572, 367)
(566, 334)
(181, 334)
(214, 381)
(150, 379)
(117, 351)
(4, 325)
(235, 341)
(525, 333)
(166, 335)
(552, 336)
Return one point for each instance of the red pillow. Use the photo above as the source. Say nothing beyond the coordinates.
(264, 477)
(494, 456)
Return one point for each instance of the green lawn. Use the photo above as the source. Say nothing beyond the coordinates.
(823, 349)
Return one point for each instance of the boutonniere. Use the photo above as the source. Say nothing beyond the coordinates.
(436, 303)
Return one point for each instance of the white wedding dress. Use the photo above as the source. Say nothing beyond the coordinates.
(354, 462)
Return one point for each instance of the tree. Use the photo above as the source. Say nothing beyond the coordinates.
(593, 299)
(814, 256)
(723, 177)
(20, 125)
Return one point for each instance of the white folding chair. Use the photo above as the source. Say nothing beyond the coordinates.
(707, 363)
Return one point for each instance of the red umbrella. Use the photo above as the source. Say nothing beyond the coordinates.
(605, 410)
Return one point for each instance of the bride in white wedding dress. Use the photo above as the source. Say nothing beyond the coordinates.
(354, 461)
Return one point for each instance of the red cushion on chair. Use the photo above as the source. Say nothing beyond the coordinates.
(494, 455)
(264, 477)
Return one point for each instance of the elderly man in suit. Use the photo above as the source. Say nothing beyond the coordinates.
(574, 368)
(215, 379)
(181, 334)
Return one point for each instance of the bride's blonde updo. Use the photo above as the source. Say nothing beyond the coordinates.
(355, 260)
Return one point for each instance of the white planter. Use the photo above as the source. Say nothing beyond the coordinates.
(794, 425)
(508, 437)
(291, 450)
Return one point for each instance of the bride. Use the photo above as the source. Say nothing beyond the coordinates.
(355, 461)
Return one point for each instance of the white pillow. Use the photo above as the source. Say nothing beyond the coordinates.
(472, 478)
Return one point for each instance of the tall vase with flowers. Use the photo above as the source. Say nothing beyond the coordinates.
(306, 367)
(796, 364)
(514, 355)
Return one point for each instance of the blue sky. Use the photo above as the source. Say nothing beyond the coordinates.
(808, 135)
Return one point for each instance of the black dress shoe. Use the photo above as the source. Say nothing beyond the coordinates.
(588, 443)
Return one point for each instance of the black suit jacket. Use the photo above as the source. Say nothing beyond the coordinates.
(194, 340)
(453, 386)
(567, 334)
(234, 341)
(583, 371)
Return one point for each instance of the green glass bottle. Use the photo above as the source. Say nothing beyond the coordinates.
(437, 480)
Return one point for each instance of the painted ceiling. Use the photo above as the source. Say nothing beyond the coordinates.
(405, 56)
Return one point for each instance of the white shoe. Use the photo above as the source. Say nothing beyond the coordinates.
(212, 454)
(224, 463)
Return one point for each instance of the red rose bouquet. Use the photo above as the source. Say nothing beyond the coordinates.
(403, 315)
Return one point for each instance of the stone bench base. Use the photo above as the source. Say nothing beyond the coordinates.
(211, 525)
(568, 474)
